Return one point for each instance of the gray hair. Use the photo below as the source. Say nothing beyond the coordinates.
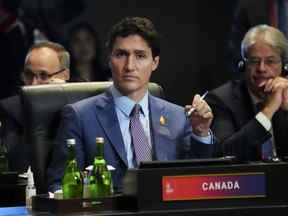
(63, 54)
(270, 35)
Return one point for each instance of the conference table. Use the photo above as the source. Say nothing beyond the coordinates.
(247, 211)
(157, 189)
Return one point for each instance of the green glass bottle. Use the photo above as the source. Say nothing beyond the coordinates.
(100, 179)
(72, 184)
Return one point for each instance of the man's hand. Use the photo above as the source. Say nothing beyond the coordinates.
(201, 117)
(277, 96)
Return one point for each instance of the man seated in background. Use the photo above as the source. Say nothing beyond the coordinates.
(135, 125)
(45, 63)
(250, 116)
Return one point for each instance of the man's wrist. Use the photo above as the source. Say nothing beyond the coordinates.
(264, 121)
(204, 139)
(201, 133)
(268, 112)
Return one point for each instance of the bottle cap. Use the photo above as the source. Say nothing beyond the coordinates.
(99, 140)
(71, 142)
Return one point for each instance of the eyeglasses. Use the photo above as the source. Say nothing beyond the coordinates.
(43, 75)
(270, 62)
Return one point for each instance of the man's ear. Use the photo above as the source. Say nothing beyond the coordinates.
(155, 63)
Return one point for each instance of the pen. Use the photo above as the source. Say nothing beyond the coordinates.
(193, 108)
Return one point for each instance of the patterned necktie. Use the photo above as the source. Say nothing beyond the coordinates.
(139, 139)
(267, 151)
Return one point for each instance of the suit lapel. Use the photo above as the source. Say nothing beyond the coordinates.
(241, 97)
(108, 119)
(164, 149)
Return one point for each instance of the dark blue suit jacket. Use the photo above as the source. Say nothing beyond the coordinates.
(96, 117)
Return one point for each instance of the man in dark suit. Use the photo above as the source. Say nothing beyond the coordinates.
(250, 116)
(45, 63)
(250, 13)
(134, 51)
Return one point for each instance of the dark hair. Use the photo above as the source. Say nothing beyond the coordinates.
(100, 74)
(135, 26)
(85, 26)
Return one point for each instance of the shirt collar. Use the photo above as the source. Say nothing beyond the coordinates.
(125, 104)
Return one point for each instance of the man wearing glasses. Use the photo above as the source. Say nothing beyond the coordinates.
(45, 63)
(250, 115)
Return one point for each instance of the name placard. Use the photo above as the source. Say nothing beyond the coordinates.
(214, 186)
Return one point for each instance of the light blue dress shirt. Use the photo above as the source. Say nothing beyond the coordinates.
(123, 107)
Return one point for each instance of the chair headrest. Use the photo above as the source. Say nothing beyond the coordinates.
(52, 97)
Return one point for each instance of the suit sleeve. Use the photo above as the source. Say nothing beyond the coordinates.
(235, 138)
(69, 128)
(193, 148)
